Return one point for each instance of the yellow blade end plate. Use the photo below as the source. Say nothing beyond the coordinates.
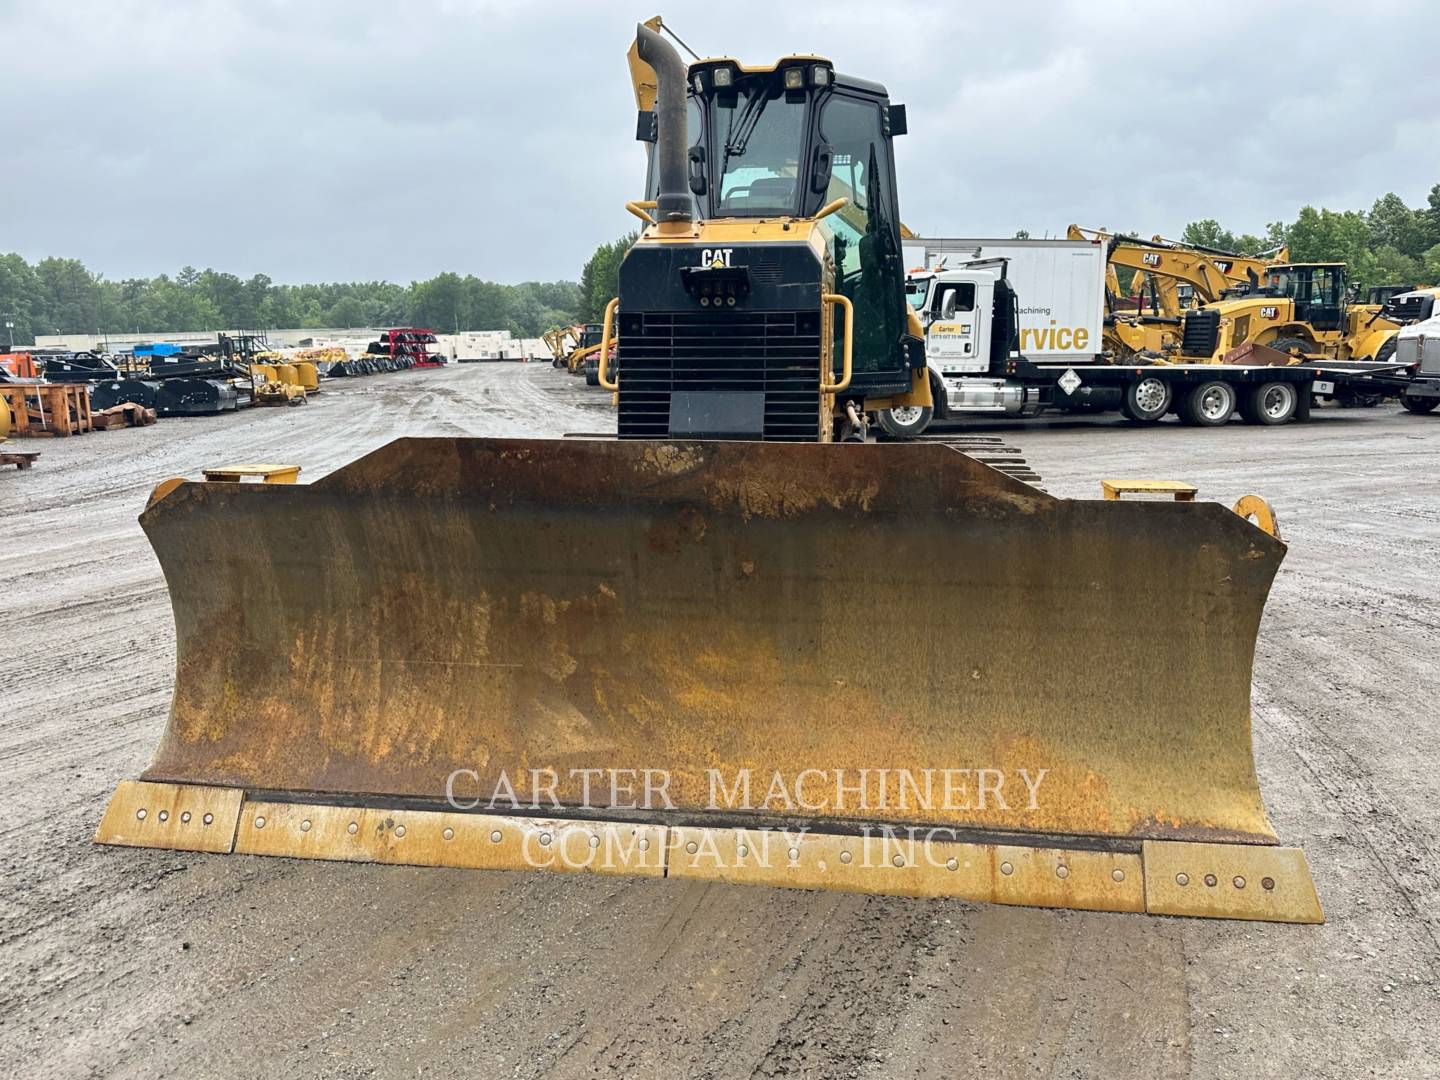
(180, 817)
(1230, 881)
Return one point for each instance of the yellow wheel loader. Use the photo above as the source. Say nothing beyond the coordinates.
(725, 646)
(1299, 309)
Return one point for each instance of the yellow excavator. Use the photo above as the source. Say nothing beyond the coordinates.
(561, 342)
(726, 645)
(1177, 277)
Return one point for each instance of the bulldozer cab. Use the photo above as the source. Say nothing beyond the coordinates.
(1317, 289)
(784, 142)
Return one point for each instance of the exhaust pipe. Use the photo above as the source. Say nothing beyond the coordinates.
(672, 204)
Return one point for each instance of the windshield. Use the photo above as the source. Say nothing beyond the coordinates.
(759, 137)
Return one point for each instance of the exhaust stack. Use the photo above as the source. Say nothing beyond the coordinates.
(672, 204)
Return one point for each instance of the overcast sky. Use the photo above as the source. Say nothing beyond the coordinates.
(315, 140)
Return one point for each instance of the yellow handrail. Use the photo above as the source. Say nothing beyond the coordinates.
(830, 207)
(826, 386)
(638, 208)
(605, 345)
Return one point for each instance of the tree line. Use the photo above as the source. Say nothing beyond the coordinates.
(62, 296)
(1390, 244)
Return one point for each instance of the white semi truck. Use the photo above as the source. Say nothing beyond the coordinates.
(1015, 327)
(1418, 346)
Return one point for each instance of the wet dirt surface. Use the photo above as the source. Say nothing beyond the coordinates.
(136, 963)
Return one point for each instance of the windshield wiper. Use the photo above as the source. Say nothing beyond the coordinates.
(741, 129)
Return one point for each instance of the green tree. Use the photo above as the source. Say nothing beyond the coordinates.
(1329, 236)
(71, 296)
(1208, 233)
(600, 277)
(1428, 219)
(437, 303)
(347, 311)
(1395, 225)
(21, 299)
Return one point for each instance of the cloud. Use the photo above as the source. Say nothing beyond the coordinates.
(332, 140)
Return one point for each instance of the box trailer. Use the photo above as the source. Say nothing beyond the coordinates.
(1060, 285)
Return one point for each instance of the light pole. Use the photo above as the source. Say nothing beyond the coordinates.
(10, 332)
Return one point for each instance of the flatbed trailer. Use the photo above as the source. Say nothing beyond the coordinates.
(1203, 394)
(976, 350)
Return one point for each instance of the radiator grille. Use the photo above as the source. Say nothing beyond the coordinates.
(1201, 333)
(773, 352)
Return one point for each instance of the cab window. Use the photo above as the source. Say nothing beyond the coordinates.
(759, 141)
(956, 298)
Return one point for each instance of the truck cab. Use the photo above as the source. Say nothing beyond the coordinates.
(970, 317)
(1412, 306)
(958, 311)
(1418, 345)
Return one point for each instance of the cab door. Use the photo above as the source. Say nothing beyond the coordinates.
(1327, 299)
(952, 343)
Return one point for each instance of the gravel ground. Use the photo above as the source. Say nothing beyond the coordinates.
(133, 963)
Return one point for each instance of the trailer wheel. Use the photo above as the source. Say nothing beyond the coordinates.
(1270, 403)
(1420, 405)
(592, 373)
(1147, 400)
(906, 421)
(1208, 404)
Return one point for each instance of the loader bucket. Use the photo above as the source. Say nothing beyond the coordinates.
(884, 668)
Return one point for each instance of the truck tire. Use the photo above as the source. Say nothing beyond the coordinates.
(1147, 400)
(1419, 405)
(592, 373)
(1207, 404)
(1270, 403)
(905, 422)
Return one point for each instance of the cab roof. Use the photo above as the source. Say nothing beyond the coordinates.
(849, 81)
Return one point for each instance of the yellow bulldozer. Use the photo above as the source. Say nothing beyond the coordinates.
(727, 645)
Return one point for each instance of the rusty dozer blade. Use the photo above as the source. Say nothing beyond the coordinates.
(885, 668)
